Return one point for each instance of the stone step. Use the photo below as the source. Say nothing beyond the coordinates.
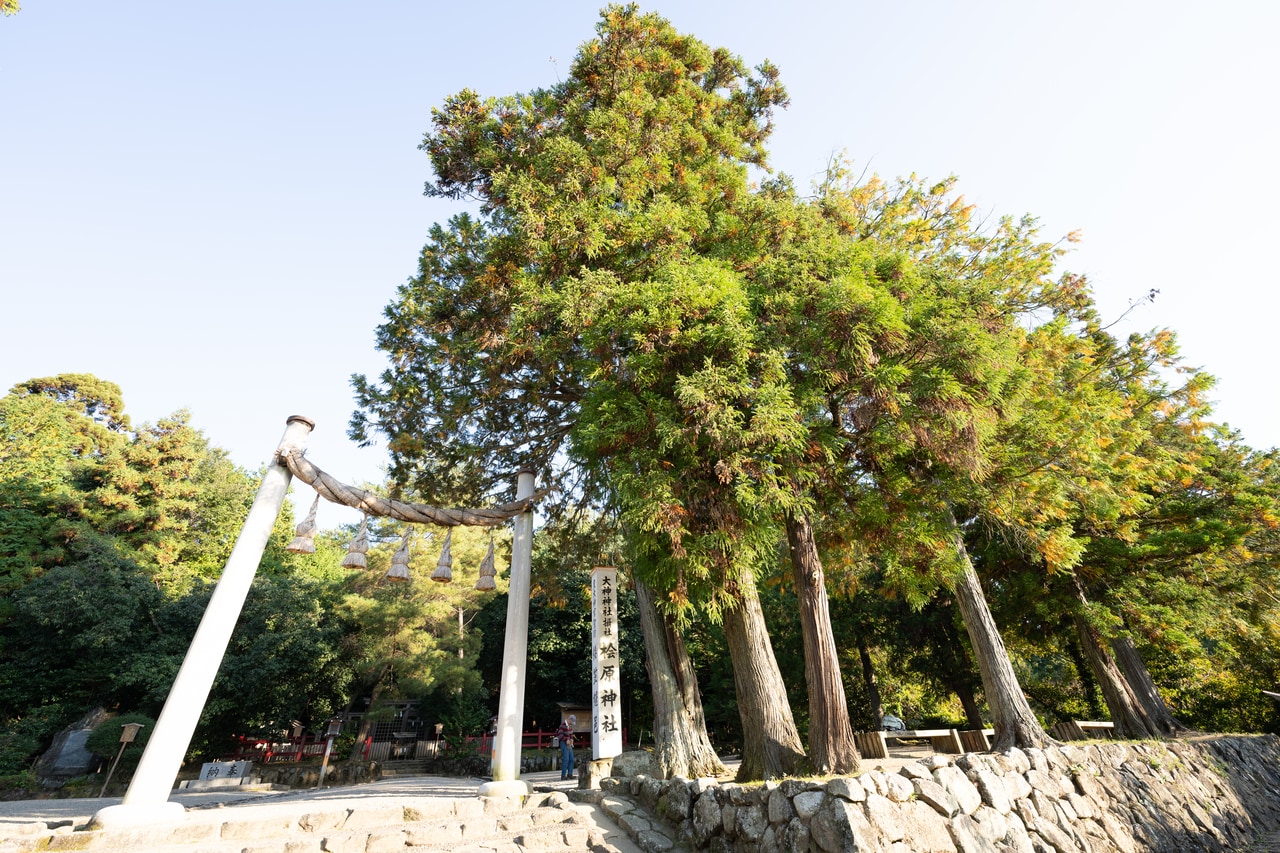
(570, 833)
(541, 822)
(404, 768)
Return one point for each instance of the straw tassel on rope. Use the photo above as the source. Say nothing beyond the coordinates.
(355, 558)
(444, 568)
(487, 572)
(305, 534)
(399, 570)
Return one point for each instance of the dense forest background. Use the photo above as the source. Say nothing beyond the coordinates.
(112, 535)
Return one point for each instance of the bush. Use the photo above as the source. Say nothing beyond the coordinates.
(343, 746)
(104, 741)
(465, 715)
(22, 737)
(16, 785)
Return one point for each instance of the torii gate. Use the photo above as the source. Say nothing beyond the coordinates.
(147, 800)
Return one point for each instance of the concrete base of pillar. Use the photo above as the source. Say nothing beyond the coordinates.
(514, 788)
(124, 816)
(592, 772)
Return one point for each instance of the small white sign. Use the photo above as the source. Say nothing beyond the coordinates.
(606, 681)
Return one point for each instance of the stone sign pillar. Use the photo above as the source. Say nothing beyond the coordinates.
(606, 682)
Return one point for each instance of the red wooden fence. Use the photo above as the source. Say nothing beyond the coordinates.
(268, 751)
(312, 746)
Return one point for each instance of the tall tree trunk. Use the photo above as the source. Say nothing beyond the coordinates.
(873, 686)
(682, 747)
(961, 680)
(1127, 715)
(831, 745)
(687, 680)
(770, 743)
(1144, 688)
(1087, 680)
(1011, 716)
(972, 713)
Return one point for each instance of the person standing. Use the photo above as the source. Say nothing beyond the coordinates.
(565, 735)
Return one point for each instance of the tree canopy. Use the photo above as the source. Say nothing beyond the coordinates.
(681, 341)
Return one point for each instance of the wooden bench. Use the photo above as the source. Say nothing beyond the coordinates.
(977, 740)
(876, 744)
(1082, 729)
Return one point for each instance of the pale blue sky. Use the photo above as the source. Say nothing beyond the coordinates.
(210, 205)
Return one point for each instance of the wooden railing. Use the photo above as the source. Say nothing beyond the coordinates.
(977, 740)
(1082, 729)
(399, 749)
(950, 741)
(272, 751)
(876, 744)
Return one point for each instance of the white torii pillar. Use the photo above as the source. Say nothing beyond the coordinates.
(147, 800)
(507, 742)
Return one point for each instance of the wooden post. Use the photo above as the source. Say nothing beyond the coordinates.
(949, 743)
(872, 744)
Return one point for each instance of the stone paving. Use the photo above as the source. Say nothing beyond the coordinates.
(415, 814)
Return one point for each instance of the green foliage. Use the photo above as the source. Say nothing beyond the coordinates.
(467, 714)
(177, 502)
(78, 635)
(110, 539)
(595, 194)
(48, 455)
(97, 631)
(1198, 593)
(99, 401)
(1056, 677)
(22, 737)
(689, 415)
(104, 742)
(410, 639)
(343, 746)
(21, 785)
(693, 358)
(72, 468)
(289, 659)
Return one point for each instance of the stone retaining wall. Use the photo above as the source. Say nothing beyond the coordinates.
(308, 775)
(1210, 795)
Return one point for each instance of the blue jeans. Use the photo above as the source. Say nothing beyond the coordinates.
(566, 760)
